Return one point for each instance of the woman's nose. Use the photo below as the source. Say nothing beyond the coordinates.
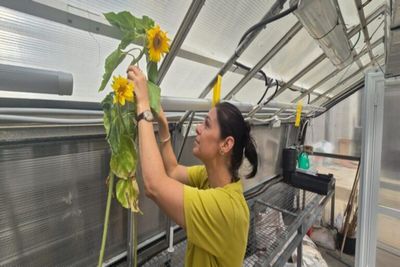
(198, 129)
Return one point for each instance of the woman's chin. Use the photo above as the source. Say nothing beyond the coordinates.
(195, 151)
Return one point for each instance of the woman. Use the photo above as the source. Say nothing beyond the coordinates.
(207, 201)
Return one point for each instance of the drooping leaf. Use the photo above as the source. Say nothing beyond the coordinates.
(112, 61)
(123, 157)
(152, 72)
(154, 96)
(127, 193)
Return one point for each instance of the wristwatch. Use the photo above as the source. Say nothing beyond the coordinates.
(147, 115)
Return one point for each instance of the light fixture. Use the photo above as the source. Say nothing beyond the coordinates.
(322, 20)
(23, 79)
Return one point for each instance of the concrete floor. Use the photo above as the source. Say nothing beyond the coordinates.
(383, 258)
(333, 258)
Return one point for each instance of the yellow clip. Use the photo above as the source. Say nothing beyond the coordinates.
(217, 91)
(298, 113)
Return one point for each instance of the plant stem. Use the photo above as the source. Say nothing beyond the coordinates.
(136, 60)
(122, 119)
(135, 240)
(106, 218)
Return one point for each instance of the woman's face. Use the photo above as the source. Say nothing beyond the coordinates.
(207, 143)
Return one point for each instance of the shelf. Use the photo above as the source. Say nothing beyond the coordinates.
(280, 217)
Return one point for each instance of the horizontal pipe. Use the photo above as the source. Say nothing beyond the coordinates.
(32, 80)
(49, 111)
(31, 119)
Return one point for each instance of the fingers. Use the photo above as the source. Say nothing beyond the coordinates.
(134, 73)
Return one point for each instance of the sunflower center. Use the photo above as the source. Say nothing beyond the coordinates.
(157, 41)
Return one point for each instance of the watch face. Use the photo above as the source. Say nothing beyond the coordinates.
(148, 116)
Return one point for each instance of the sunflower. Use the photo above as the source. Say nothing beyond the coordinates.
(157, 43)
(123, 90)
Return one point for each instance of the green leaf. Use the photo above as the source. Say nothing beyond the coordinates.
(107, 117)
(124, 20)
(154, 96)
(152, 72)
(123, 157)
(128, 38)
(127, 193)
(144, 24)
(112, 61)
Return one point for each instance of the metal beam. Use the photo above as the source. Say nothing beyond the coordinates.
(291, 82)
(180, 36)
(276, 8)
(284, 41)
(347, 79)
(351, 33)
(335, 72)
(363, 23)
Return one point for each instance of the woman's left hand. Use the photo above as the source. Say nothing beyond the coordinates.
(139, 79)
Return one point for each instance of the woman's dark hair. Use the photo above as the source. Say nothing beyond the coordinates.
(232, 123)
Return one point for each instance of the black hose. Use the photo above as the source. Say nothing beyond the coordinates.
(264, 22)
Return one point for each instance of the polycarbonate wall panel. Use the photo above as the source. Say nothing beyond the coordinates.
(339, 129)
(38, 43)
(168, 14)
(388, 234)
(52, 204)
(389, 194)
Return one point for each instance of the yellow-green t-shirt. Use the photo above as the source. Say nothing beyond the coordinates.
(216, 220)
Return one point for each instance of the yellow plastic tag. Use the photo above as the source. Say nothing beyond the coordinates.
(217, 91)
(298, 113)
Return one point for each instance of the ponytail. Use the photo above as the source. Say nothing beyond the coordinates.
(232, 123)
(250, 152)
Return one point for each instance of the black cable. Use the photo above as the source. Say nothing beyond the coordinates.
(309, 97)
(319, 38)
(240, 65)
(264, 22)
(273, 95)
(265, 92)
(267, 84)
(358, 39)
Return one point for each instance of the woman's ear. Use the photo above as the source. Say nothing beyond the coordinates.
(227, 145)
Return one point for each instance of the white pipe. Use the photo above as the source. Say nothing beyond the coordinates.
(48, 120)
(196, 104)
(49, 111)
(171, 240)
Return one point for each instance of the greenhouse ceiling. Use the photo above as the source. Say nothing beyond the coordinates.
(73, 36)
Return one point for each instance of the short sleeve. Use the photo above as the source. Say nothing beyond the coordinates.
(198, 176)
(209, 218)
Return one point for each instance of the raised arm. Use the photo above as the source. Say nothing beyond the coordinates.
(165, 191)
(174, 170)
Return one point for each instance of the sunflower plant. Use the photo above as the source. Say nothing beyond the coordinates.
(120, 108)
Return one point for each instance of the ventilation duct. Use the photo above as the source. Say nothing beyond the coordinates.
(23, 79)
(322, 20)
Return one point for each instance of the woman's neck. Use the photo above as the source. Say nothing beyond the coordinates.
(218, 174)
